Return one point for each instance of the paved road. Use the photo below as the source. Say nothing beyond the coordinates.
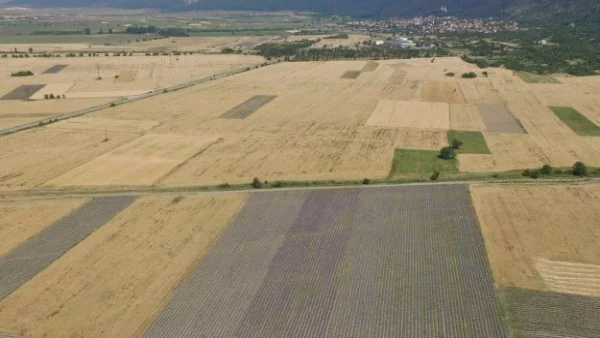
(121, 101)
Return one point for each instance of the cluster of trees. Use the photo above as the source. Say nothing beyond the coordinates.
(153, 30)
(22, 73)
(52, 96)
(578, 169)
(371, 52)
(274, 49)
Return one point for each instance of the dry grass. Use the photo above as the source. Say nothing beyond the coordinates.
(107, 126)
(465, 117)
(142, 161)
(33, 157)
(22, 219)
(53, 88)
(524, 227)
(447, 91)
(115, 281)
(405, 114)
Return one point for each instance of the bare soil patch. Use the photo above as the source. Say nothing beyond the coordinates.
(524, 225)
(140, 162)
(23, 92)
(55, 69)
(248, 107)
(498, 119)
(112, 283)
(407, 114)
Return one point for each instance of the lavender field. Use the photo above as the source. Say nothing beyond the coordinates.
(377, 262)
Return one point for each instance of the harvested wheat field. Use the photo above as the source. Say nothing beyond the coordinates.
(107, 126)
(13, 113)
(442, 91)
(142, 161)
(98, 74)
(405, 114)
(542, 237)
(21, 219)
(316, 128)
(115, 281)
(466, 117)
(35, 156)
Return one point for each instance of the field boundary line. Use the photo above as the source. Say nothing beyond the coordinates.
(178, 166)
(213, 190)
(124, 100)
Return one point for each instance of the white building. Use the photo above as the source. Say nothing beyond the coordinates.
(402, 43)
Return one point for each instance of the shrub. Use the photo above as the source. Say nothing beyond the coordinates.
(435, 175)
(558, 171)
(495, 176)
(112, 104)
(526, 173)
(116, 76)
(456, 143)
(22, 73)
(469, 75)
(534, 174)
(177, 199)
(46, 96)
(256, 183)
(546, 169)
(366, 181)
(223, 185)
(51, 96)
(277, 184)
(485, 74)
(579, 169)
(447, 153)
(450, 74)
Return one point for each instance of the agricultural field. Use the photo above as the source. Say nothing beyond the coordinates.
(114, 281)
(310, 268)
(529, 245)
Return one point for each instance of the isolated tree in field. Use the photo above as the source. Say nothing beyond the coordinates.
(447, 153)
(256, 183)
(435, 175)
(579, 169)
(456, 143)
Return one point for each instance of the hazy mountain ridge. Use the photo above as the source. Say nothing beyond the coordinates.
(519, 9)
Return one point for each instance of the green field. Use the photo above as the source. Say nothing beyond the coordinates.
(351, 74)
(580, 124)
(535, 78)
(473, 142)
(420, 162)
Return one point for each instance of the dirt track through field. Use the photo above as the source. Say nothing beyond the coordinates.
(498, 119)
(32, 256)
(402, 261)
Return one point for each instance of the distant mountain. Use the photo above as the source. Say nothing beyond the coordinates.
(519, 9)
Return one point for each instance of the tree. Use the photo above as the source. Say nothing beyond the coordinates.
(546, 169)
(435, 175)
(87, 31)
(366, 181)
(256, 183)
(447, 153)
(456, 143)
(579, 169)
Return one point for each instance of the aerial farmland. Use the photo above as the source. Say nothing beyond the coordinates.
(264, 200)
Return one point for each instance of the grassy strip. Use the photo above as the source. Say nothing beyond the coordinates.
(351, 74)
(420, 162)
(535, 78)
(473, 142)
(580, 124)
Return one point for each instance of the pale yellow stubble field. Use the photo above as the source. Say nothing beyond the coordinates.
(542, 237)
(114, 282)
(314, 129)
